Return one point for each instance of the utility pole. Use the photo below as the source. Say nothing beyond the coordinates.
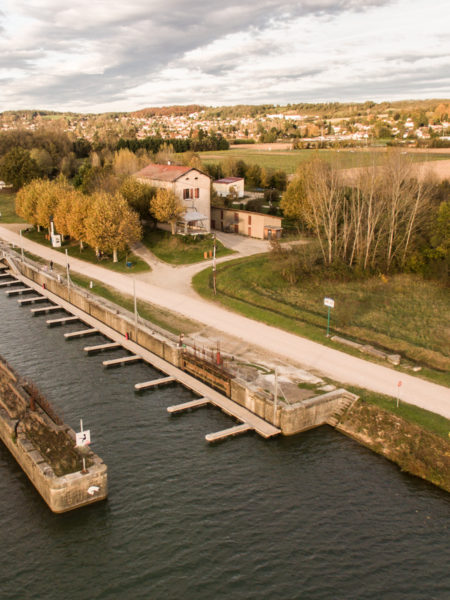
(214, 266)
(135, 311)
(67, 275)
(275, 396)
(21, 244)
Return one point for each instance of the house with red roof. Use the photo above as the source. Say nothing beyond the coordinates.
(191, 186)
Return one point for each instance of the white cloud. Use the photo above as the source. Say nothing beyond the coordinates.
(95, 56)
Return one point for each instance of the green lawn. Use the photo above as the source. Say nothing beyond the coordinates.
(165, 319)
(181, 250)
(88, 254)
(289, 160)
(8, 214)
(403, 314)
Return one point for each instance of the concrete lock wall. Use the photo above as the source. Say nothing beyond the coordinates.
(120, 323)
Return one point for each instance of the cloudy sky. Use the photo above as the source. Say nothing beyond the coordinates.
(105, 55)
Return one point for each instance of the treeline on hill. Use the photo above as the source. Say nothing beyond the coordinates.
(384, 219)
(203, 142)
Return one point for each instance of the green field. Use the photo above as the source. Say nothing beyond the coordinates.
(88, 254)
(7, 212)
(289, 160)
(403, 314)
(181, 250)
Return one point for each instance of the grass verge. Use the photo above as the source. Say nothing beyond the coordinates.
(170, 321)
(404, 315)
(88, 255)
(182, 250)
(8, 214)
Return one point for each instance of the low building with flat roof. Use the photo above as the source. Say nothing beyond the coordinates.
(244, 222)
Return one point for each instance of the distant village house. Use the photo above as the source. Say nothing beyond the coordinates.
(191, 186)
(229, 186)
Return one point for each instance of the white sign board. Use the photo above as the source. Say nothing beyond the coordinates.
(56, 241)
(83, 437)
(329, 302)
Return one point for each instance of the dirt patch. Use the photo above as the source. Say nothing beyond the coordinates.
(414, 449)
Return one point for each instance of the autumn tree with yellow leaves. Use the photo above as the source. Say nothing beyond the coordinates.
(166, 207)
(111, 224)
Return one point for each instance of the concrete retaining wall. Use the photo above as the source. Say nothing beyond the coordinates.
(152, 341)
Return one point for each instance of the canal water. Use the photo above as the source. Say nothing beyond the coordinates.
(314, 516)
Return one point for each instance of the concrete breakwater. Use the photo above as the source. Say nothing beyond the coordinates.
(45, 449)
(289, 418)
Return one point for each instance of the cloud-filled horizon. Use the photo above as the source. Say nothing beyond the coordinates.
(97, 57)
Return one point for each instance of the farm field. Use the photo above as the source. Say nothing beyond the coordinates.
(289, 160)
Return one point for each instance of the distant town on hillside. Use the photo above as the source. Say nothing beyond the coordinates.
(414, 123)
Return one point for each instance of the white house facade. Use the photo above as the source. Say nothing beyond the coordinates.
(191, 186)
(226, 186)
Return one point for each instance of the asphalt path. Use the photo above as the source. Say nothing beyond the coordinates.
(334, 364)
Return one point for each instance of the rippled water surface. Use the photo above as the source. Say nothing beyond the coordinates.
(314, 516)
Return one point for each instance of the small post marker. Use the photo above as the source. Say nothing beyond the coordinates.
(399, 385)
(329, 302)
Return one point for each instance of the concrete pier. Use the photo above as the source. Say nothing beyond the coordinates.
(32, 300)
(153, 383)
(125, 360)
(61, 321)
(10, 283)
(19, 291)
(101, 347)
(81, 333)
(221, 435)
(177, 408)
(45, 309)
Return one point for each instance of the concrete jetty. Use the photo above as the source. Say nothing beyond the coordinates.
(81, 333)
(102, 347)
(221, 435)
(125, 360)
(153, 383)
(32, 300)
(177, 408)
(19, 291)
(61, 321)
(4, 284)
(45, 309)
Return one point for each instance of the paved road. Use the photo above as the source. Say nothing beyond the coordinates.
(311, 355)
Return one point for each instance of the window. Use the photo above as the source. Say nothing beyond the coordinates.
(249, 219)
(185, 194)
(236, 217)
(197, 192)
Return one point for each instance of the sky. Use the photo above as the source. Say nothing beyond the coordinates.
(104, 55)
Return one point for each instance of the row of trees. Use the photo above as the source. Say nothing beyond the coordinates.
(375, 220)
(104, 221)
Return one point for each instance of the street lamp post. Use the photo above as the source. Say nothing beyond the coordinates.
(67, 275)
(214, 266)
